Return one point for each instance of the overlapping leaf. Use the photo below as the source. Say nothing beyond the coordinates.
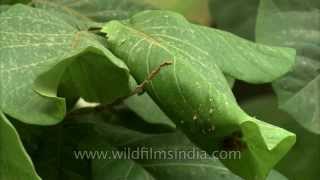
(57, 152)
(238, 17)
(295, 24)
(293, 165)
(15, 163)
(55, 156)
(34, 42)
(193, 91)
(157, 167)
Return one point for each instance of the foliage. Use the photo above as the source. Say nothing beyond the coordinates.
(297, 26)
(111, 75)
(14, 162)
(144, 45)
(241, 21)
(301, 161)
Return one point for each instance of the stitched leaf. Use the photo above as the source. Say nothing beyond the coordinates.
(193, 92)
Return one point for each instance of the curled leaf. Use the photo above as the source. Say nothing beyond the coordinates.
(193, 91)
(37, 47)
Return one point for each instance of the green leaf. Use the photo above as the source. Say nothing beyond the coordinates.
(51, 149)
(143, 168)
(295, 25)
(15, 163)
(238, 17)
(194, 93)
(275, 175)
(243, 60)
(143, 105)
(55, 151)
(110, 137)
(95, 79)
(37, 47)
(159, 169)
(302, 160)
(55, 156)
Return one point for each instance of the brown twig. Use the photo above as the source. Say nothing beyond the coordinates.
(153, 74)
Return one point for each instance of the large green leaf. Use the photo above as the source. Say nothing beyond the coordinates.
(302, 161)
(57, 152)
(236, 16)
(194, 92)
(34, 44)
(147, 167)
(156, 168)
(295, 24)
(15, 163)
(51, 149)
(91, 78)
(143, 105)
(56, 155)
